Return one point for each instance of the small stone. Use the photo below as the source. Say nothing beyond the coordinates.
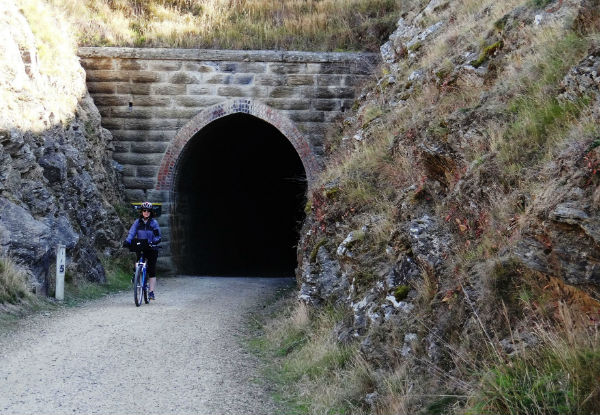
(371, 398)
(538, 19)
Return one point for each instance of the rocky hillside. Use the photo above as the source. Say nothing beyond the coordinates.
(457, 222)
(57, 181)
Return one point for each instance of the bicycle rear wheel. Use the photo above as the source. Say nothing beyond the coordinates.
(138, 287)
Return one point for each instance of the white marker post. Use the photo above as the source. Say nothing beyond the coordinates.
(60, 272)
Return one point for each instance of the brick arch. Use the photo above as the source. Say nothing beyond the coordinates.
(167, 170)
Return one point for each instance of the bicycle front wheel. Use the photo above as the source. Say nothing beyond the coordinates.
(138, 287)
(146, 300)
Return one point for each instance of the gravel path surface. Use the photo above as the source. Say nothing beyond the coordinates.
(88, 359)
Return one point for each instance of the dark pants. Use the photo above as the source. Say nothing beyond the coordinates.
(151, 256)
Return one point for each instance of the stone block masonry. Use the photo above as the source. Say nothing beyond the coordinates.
(155, 100)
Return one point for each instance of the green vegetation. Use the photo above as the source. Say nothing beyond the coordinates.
(311, 371)
(473, 151)
(486, 53)
(118, 278)
(554, 378)
(541, 3)
(315, 250)
(14, 290)
(540, 120)
(225, 24)
(371, 113)
(401, 292)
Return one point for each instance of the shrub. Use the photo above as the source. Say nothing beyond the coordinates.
(401, 292)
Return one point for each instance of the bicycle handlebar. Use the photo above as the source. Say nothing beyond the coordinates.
(141, 244)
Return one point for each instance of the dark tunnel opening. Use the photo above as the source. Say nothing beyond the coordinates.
(239, 201)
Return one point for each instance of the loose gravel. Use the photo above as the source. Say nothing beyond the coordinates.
(180, 354)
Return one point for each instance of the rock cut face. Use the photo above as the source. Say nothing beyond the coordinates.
(58, 184)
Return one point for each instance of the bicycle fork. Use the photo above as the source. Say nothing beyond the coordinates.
(144, 264)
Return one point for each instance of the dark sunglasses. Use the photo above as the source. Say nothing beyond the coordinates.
(146, 210)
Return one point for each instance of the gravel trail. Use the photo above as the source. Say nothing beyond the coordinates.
(87, 360)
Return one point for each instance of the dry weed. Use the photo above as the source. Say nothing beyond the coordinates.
(247, 24)
(13, 281)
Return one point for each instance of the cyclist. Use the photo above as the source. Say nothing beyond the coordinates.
(146, 227)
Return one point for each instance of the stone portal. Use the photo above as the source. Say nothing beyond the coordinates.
(156, 102)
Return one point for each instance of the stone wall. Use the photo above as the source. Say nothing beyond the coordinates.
(154, 100)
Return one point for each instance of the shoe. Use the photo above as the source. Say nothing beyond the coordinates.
(151, 295)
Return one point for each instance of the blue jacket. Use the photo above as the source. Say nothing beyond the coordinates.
(149, 230)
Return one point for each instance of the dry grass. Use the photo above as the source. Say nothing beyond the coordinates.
(233, 24)
(552, 371)
(13, 282)
(55, 48)
(558, 376)
(396, 390)
(540, 121)
(55, 82)
(471, 21)
(314, 372)
(531, 125)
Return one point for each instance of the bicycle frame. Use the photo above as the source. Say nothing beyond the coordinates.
(144, 264)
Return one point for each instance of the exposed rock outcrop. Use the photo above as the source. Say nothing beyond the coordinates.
(558, 234)
(58, 184)
(476, 189)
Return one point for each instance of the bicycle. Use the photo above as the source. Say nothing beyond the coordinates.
(140, 288)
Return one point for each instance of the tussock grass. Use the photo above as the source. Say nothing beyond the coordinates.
(233, 24)
(13, 282)
(313, 372)
(540, 121)
(551, 373)
(396, 393)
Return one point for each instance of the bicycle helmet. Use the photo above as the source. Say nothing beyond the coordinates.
(147, 205)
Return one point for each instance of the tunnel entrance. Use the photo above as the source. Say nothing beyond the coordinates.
(239, 197)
